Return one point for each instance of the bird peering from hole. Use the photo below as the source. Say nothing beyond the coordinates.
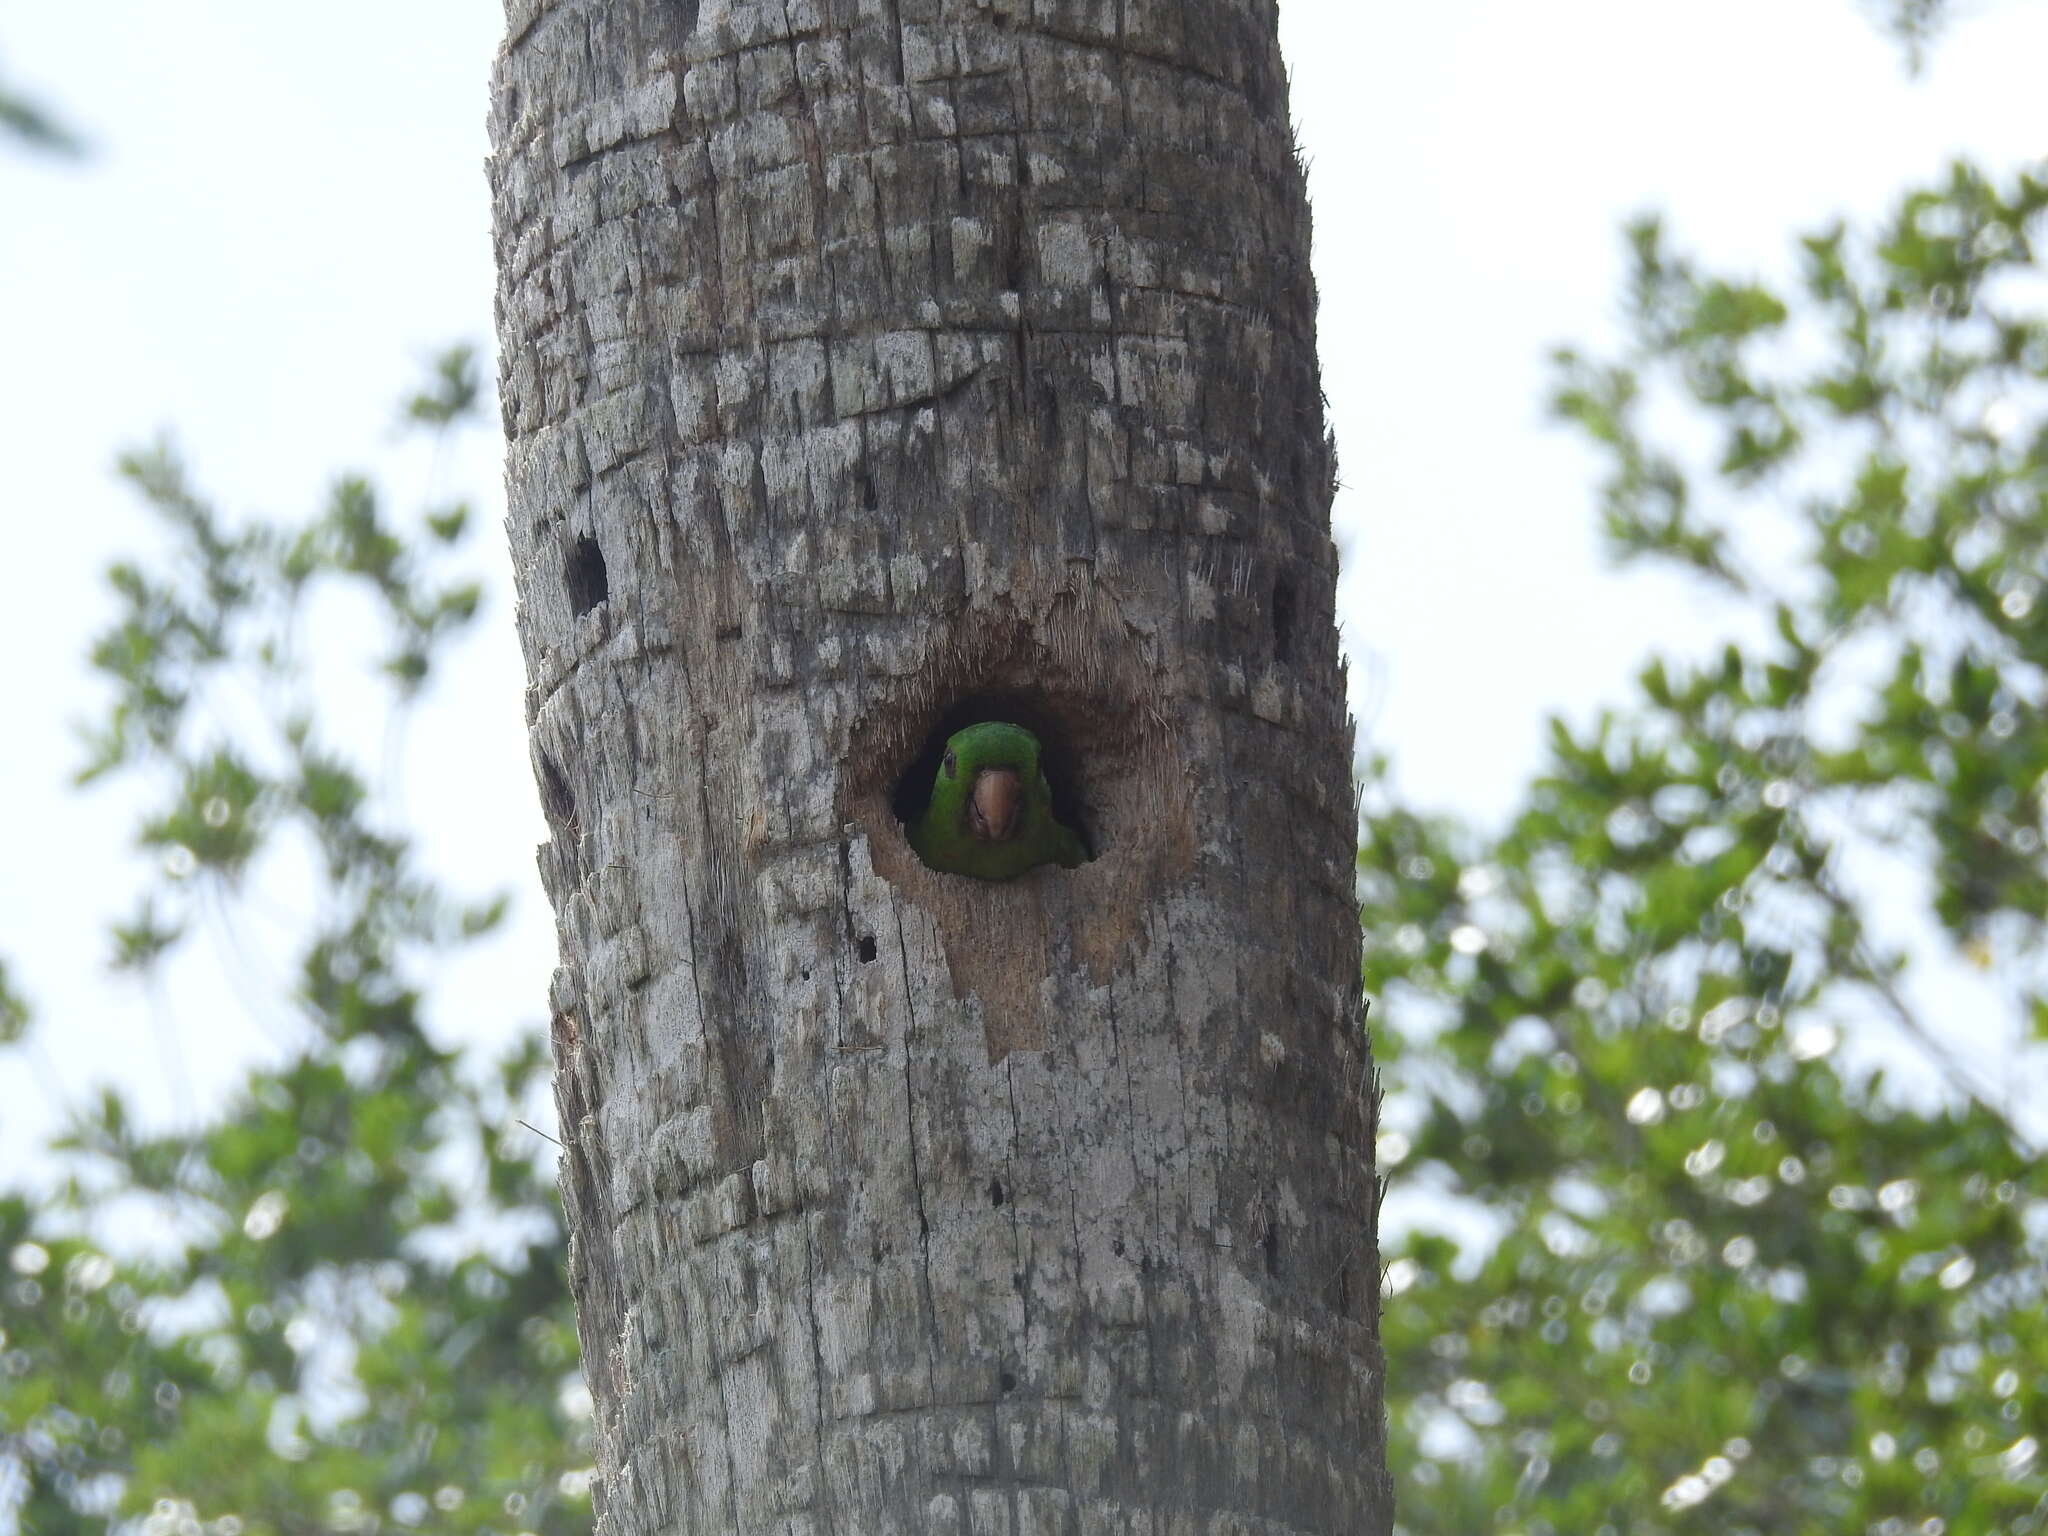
(991, 812)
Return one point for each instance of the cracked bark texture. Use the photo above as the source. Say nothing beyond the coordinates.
(869, 367)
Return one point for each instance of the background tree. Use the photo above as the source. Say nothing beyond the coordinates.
(1740, 1286)
(339, 1303)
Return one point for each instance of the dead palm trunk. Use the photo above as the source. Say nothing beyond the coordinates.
(872, 367)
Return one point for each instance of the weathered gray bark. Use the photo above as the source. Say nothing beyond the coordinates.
(872, 366)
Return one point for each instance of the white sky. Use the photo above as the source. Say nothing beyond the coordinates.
(287, 214)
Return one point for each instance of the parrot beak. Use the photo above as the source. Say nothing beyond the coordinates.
(993, 805)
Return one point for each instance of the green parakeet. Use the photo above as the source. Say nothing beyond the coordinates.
(991, 813)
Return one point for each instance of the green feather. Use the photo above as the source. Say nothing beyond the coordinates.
(944, 835)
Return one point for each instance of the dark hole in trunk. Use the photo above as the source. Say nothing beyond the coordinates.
(1282, 615)
(556, 798)
(585, 573)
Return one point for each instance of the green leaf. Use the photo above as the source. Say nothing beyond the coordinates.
(14, 1009)
(447, 525)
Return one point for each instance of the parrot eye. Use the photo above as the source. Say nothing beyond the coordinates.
(952, 766)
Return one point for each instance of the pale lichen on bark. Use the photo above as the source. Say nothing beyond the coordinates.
(867, 362)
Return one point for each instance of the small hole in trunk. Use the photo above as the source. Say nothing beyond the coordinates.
(588, 584)
(557, 800)
(1282, 615)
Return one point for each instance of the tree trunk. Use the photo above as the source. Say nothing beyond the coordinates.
(872, 367)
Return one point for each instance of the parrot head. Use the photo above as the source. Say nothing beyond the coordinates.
(990, 813)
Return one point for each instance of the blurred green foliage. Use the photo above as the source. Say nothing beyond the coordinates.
(1915, 23)
(339, 1304)
(33, 126)
(1741, 1285)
